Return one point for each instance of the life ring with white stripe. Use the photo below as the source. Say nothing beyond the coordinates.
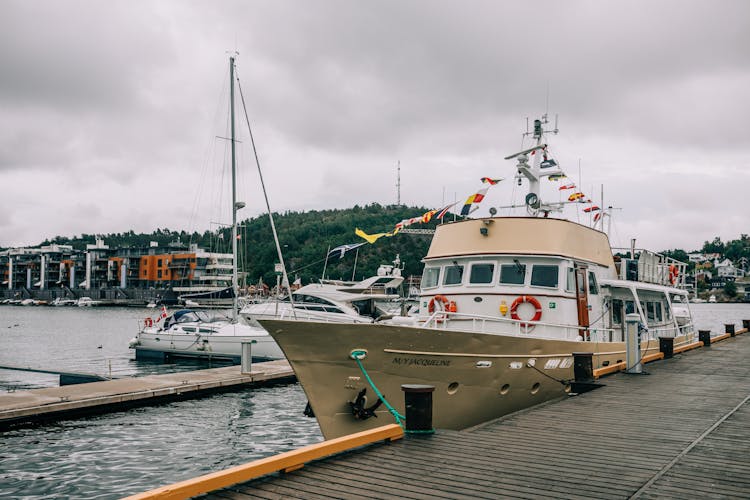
(531, 300)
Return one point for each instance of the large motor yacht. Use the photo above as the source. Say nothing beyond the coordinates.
(504, 304)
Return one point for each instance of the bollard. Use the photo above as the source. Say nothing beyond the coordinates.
(632, 344)
(746, 324)
(729, 328)
(705, 337)
(666, 346)
(583, 366)
(418, 404)
(246, 362)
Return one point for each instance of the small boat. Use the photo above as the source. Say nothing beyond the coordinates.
(62, 302)
(712, 299)
(504, 303)
(88, 302)
(335, 301)
(199, 334)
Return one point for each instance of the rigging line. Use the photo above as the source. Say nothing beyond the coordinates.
(305, 267)
(265, 195)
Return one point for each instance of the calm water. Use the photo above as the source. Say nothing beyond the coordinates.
(123, 453)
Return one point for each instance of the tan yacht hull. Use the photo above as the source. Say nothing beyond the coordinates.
(477, 377)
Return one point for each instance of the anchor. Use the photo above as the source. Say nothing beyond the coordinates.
(358, 406)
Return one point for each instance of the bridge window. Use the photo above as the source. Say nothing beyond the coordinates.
(453, 275)
(544, 275)
(431, 277)
(512, 274)
(570, 282)
(481, 273)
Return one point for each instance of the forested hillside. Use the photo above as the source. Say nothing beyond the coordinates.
(305, 238)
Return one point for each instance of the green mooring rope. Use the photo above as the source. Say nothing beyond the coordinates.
(356, 356)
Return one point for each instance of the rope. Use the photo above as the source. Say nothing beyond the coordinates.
(562, 381)
(357, 355)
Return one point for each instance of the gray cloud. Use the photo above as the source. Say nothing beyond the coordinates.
(115, 105)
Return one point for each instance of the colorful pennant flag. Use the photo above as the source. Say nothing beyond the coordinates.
(591, 209)
(443, 211)
(474, 199)
(597, 216)
(576, 196)
(372, 238)
(566, 186)
(556, 177)
(489, 181)
(427, 216)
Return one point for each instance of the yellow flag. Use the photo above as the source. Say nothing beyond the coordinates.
(371, 238)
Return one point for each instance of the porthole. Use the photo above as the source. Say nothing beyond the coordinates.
(453, 388)
(605, 363)
(504, 389)
(535, 388)
(477, 299)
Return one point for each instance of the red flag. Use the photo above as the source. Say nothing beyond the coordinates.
(591, 209)
(566, 186)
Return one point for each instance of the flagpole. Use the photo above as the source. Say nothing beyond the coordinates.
(326, 264)
(356, 256)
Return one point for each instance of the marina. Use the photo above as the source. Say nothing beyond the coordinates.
(682, 430)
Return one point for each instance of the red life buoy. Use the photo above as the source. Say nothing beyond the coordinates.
(149, 322)
(673, 273)
(531, 300)
(438, 299)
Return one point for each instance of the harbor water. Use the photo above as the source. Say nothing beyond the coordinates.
(116, 454)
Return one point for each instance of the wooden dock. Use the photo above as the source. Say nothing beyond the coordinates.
(111, 395)
(681, 431)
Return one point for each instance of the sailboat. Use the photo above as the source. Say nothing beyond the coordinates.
(504, 304)
(199, 334)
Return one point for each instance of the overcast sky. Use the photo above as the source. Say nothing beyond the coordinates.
(110, 111)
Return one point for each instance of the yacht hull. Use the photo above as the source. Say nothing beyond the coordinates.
(477, 376)
(160, 345)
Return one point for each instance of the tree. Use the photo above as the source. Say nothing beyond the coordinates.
(730, 289)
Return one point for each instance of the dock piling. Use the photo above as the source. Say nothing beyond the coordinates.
(705, 337)
(418, 404)
(247, 357)
(729, 328)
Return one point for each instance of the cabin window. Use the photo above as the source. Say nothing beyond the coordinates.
(593, 287)
(453, 275)
(570, 282)
(543, 275)
(650, 312)
(481, 274)
(667, 314)
(431, 277)
(657, 312)
(629, 307)
(617, 311)
(513, 274)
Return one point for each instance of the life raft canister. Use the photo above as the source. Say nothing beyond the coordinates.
(531, 300)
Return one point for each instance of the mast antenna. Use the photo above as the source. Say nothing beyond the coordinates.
(398, 183)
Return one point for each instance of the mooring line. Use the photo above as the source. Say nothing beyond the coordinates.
(684, 452)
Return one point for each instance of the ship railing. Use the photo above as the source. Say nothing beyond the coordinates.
(651, 267)
(521, 328)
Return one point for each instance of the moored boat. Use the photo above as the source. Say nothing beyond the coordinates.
(504, 304)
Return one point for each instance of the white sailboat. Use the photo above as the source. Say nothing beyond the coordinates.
(190, 333)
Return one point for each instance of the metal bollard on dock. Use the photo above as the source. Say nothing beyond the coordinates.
(746, 324)
(729, 328)
(666, 346)
(418, 404)
(705, 337)
(246, 363)
(583, 366)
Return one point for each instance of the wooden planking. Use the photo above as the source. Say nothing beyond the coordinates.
(682, 431)
(98, 397)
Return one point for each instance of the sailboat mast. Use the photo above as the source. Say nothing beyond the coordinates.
(234, 192)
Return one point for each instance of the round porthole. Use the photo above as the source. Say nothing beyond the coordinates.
(477, 299)
(504, 389)
(453, 388)
(535, 388)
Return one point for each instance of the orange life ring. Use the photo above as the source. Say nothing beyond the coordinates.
(531, 300)
(673, 274)
(149, 322)
(438, 298)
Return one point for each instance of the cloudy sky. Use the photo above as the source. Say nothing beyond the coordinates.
(111, 112)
